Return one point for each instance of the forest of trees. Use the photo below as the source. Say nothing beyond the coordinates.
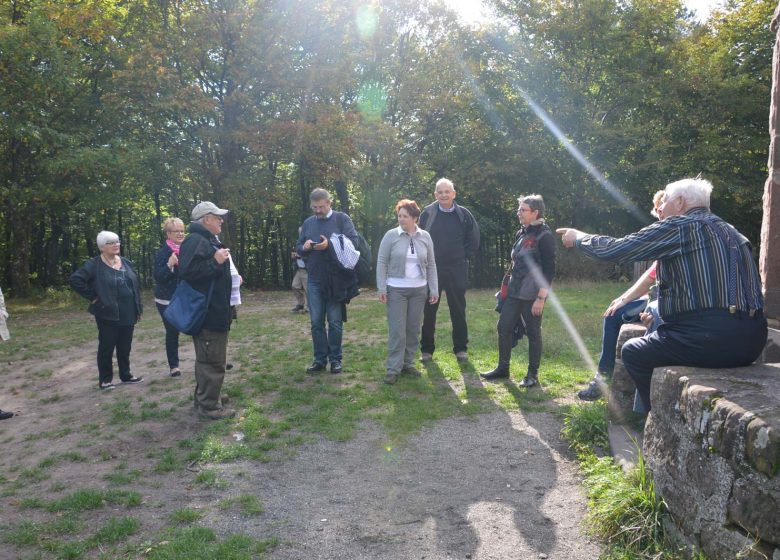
(115, 115)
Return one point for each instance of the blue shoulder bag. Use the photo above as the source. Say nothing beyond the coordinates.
(188, 308)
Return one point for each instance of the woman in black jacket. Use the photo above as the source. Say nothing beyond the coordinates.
(111, 285)
(166, 277)
(533, 270)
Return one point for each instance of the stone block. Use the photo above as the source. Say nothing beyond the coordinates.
(756, 509)
(720, 542)
(622, 388)
(627, 332)
(712, 443)
(771, 353)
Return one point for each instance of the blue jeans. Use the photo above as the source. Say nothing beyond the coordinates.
(327, 345)
(629, 313)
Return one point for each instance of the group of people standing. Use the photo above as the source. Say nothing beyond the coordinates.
(709, 310)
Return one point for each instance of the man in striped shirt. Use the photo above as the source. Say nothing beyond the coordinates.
(709, 288)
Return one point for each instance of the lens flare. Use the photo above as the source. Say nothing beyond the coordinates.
(366, 20)
(372, 100)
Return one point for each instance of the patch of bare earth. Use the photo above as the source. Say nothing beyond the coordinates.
(496, 486)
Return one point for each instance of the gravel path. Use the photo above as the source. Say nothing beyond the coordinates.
(496, 486)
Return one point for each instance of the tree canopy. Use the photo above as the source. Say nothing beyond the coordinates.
(115, 115)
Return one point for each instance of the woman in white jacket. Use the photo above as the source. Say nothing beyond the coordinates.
(4, 335)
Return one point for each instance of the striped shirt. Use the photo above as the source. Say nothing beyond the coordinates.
(694, 262)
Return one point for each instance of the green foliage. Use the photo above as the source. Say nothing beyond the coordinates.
(199, 543)
(117, 115)
(186, 515)
(585, 426)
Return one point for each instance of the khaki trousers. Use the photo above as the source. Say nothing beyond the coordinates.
(210, 358)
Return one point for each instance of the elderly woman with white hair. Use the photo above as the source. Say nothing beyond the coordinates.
(111, 285)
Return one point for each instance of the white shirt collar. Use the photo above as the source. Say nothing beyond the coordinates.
(401, 231)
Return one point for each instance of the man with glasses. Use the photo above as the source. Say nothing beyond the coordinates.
(204, 261)
(709, 289)
(455, 235)
(313, 245)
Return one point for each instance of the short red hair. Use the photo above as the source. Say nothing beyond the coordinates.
(410, 206)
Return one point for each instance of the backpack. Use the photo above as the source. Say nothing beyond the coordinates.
(364, 265)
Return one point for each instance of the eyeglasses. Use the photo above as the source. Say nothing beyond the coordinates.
(521, 210)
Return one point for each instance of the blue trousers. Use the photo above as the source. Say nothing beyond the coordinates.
(712, 338)
(327, 344)
(629, 313)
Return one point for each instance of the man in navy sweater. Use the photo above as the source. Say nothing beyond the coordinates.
(455, 235)
(313, 245)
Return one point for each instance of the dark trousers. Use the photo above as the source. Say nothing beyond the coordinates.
(112, 336)
(710, 339)
(210, 359)
(171, 339)
(454, 282)
(512, 311)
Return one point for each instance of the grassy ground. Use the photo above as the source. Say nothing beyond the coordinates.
(90, 475)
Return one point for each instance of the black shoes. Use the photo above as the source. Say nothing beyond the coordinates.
(591, 393)
(5, 415)
(315, 367)
(132, 380)
(529, 381)
(297, 309)
(228, 366)
(498, 373)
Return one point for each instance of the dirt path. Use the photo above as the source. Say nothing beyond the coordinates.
(495, 486)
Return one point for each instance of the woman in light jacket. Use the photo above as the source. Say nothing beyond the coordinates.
(405, 278)
(111, 285)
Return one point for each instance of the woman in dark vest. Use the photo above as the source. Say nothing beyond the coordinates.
(533, 270)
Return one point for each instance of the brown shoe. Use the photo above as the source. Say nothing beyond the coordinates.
(391, 378)
(216, 414)
(462, 356)
(411, 370)
(426, 357)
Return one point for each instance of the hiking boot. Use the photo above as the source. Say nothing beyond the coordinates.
(176, 372)
(411, 370)
(591, 393)
(426, 357)
(498, 373)
(216, 414)
(336, 367)
(5, 415)
(391, 378)
(462, 356)
(529, 381)
(296, 309)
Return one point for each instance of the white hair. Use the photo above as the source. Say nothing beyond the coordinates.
(445, 181)
(106, 237)
(695, 192)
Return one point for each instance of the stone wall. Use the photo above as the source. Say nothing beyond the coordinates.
(712, 443)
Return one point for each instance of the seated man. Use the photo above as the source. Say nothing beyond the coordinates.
(709, 288)
(625, 309)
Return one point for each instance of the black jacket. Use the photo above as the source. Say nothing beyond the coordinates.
(95, 282)
(198, 267)
(164, 280)
(533, 261)
(467, 220)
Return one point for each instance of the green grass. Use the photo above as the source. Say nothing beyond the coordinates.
(249, 504)
(623, 508)
(279, 405)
